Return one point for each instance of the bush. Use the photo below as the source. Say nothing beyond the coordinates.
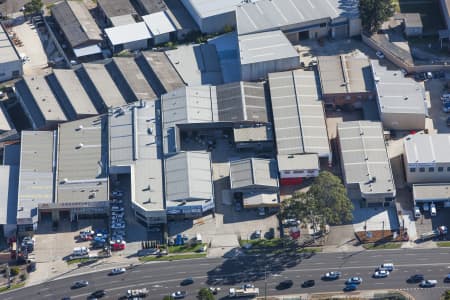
(23, 276)
(14, 271)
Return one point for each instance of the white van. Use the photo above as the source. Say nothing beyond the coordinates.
(417, 214)
(388, 266)
(433, 210)
(80, 251)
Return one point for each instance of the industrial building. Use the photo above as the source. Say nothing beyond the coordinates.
(160, 27)
(78, 27)
(365, 163)
(39, 103)
(227, 49)
(266, 52)
(438, 193)
(116, 12)
(134, 36)
(10, 62)
(258, 137)
(299, 19)
(346, 81)
(293, 168)
(188, 185)
(299, 122)
(9, 179)
(426, 158)
(401, 100)
(5, 121)
(412, 24)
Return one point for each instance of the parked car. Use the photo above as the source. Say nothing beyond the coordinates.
(448, 121)
(214, 290)
(426, 207)
(379, 54)
(433, 210)
(117, 271)
(80, 284)
(332, 275)
(429, 75)
(238, 206)
(446, 107)
(415, 278)
(417, 212)
(354, 280)
(257, 234)
(428, 283)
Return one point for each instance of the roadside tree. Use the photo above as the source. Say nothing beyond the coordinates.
(205, 294)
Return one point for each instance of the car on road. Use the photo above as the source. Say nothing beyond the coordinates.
(214, 290)
(97, 294)
(248, 286)
(379, 54)
(381, 274)
(331, 275)
(117, 271)
(308, 283)
(387, 266)
(415, 278)
(350, 287)
(283, 285)
(178, 295)
(428, 283)
(80, 284)
(187, 281)
(354, 280)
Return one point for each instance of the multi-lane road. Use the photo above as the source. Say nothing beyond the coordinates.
(265, 272)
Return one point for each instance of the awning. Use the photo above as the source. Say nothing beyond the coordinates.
(88, 50)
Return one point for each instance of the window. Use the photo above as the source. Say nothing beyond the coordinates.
(323, 25)
(430, 169)
(440, 169)
(412, 170)
(421, 170)
(298, 172)
(448, 169)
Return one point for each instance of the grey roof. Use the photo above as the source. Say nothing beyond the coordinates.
(427, 148)
(341, 74)
(298, 114)
(82, 162)
(36, 173)
(122, 20)
(134, 78)
(9, 178)
(209, 8)
(159, 23)
(397, 93)
(298, 162)
(40, 101)
(134, 140)
(114, 8)
(265, 46)
(431, 191)
(105, 86)
(77, 23)
(163, 73)
(5, 124)
(365, 159)
(7, 51)
(186, 105)
(152, 6)
(128, 33)
(263, 15)
(75, 93)
(412, 20)
(228, 52)
(260, 200)
(250, 172)
(197, 64)
(253, 134)
(188, 177)
(242, 101)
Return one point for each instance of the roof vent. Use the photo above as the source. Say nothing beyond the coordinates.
(65, 180)
(79, 128)
(80, 145)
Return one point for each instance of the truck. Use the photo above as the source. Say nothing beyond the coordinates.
(243, 292)
(142, 293)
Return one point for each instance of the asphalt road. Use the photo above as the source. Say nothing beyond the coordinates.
(163, 278)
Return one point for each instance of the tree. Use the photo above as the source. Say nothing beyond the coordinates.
(374, 12)
(32, 7)
(205, 294)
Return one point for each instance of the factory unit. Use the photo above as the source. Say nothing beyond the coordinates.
(160, 27)
(437, 193)
(134, 36)
(426, 158)
(401, 100)
(10, 61)
(365, 163)
(116, 12)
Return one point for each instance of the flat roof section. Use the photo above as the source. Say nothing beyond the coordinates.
(265, 46)
(37, 158)
(397, 93)
(253, 172)
(253, 134)
(128, 33)
(75, 92)
(122, 20)
(114, 8)
(427, 148)
(439, 192)
(82, 162)
(209, 8)
(298, 162)
(159, 23)
(364, 157)
(152, 6)
(104, 84)
(299, 118)
(264, 15)
(7, 51)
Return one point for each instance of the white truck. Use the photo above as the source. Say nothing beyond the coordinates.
(137, 293)
(243, 292)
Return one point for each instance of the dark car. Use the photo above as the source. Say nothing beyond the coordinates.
(80, 284)
(98, 294)
(187, 281)
(448, 121)
(415, 278)
(286, 284)
(350, 287)
(308, 283)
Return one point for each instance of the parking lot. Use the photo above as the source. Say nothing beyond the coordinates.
(436, 87)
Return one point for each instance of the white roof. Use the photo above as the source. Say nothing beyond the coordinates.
(88, 50)
(158, 23)
(208, 8)
(427, 148)
(128, 33)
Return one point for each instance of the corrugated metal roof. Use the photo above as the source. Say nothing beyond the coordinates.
(188, 176)
(159, 23)
(364, 157)
(299, 119)
(427, 148)
(253, 171)
(431, 191)
(128, 33)
(208, 8)
(7, 50)
(265, 46)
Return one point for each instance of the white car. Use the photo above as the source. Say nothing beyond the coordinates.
(332, 275)
(354, 280)
(381, 274)
(179, 295)
(379, 54)
(428, 283)
(117, 271)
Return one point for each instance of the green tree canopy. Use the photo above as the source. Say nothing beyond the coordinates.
(205, 294)
(33, 7)
(374, 12)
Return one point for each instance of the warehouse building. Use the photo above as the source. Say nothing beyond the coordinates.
(365, 163)
(346, 81)
(266, 52)
(39, 103)
(160, 27)
(116, 12)
(401, 100)
(10, 62)
(438, 193)
(188, 185)
(78, 27)
(9, 178)
(299, 122)
(5, 121)
(300, 19)
(134, 36)
(426, 158)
